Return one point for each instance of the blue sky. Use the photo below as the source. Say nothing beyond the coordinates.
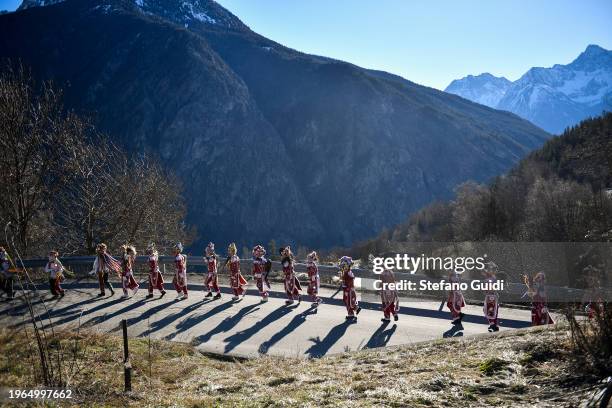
(431, 42)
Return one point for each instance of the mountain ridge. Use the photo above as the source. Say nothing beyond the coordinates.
(553, 98)
(485, 88)
(269, 142)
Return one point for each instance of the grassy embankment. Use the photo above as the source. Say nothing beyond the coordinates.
(531, 366)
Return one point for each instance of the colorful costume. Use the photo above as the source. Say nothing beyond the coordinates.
(54, 268)
(156, 279)
(539, 301)
(595, 308)
(103, 264)
(237, 281)
(180, 274)
(6, 276)
(455, 301)
(389, 296)
(593, 298)
(212, 280)
(127, 273)
(491, 300)
(348, 288)
(314, 281)
(259, 265)
(292, 284)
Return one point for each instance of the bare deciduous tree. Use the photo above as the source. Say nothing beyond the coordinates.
(34, 134)
(64, 185)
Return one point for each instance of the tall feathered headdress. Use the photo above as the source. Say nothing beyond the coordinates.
(258, 248)
(178, 246)
(232, 248)
(210, 248)
(345, 260)
(312, 257)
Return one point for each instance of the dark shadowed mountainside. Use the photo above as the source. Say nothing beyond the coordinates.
(561, 192)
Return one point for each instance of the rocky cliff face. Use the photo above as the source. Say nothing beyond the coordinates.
(269, 142)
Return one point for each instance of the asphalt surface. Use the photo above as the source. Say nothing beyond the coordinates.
(249, 328)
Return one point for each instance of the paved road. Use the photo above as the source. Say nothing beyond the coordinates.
(249, 328)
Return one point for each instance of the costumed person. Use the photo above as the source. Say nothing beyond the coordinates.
(455, 300)
(389, 296)
(180, 272)
(491, 300)
(212, 281)
(536, 290)
(5, 274)
(314, 281)
(127, 270)
(237, 281)
(259, 265)
(103, 264)
(292, 284)
(156, 279)
(593, 295)
(349, 296)
(55, 268)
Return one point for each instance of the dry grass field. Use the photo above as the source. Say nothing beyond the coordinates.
(518, 368)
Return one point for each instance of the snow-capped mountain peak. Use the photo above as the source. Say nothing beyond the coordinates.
(189, 12)
(182, 12)
(485, 89)
(552, 98)
(25, 4)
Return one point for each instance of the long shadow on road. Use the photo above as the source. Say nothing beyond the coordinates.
(297, 321)
(68, 308)
(236, 339)
(77, 312)
(322, 346)
(165, 321)
(381, 336)
(14, 309)
(226, 324)
(150, 311)
(192, 321)
(108, 316)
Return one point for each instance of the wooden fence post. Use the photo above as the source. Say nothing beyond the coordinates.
(127, 366)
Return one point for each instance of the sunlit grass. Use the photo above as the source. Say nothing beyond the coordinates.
(503, 369)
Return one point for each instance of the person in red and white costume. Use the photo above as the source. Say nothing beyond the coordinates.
(491, 300)
(348, 288)
(156, 279)
(127, 271)
(237, 281)
(388, 296)
(593, 298)
(259, 265)
(292, 284)
(314, 281)
(212, 280)
(536, 290)
(455, 301)
(103, 264)
(180, 272)
(6, 276)
(55, 268)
